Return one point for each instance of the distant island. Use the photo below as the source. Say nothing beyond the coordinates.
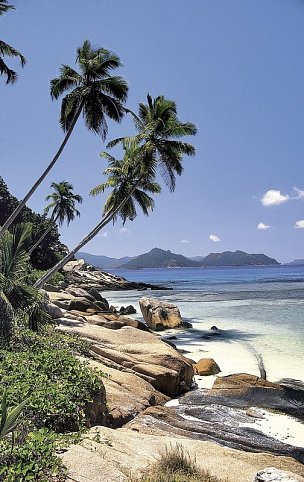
(296, 262)
(159, 258)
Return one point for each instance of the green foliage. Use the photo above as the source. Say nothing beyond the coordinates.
(50, 250)
(34, 459)
(36, 274)
(58, 386)
(20, 302)
(9, 419)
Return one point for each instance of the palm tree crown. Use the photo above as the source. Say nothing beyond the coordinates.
(158, 133)
(63, 202)
(129, 185)
(7, 50)
(92, 90)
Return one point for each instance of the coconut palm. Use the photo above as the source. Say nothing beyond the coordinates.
(7, 50)
(92, 92)
(62, 207)
(158, 133)
(130, 188)
(18, 300)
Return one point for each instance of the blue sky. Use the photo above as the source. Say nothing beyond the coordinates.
(234, 67)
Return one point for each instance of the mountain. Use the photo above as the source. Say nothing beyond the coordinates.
(296, 262)
(102, 262)
(158, 258)
(237, 258)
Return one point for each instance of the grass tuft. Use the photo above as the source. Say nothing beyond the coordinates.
(175, 464)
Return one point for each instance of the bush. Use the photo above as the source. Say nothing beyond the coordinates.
(34, 459)
(59, 387)
(36, 274)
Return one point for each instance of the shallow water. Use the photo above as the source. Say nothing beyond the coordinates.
(260, 308)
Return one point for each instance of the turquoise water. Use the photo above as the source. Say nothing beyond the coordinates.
(258, 307)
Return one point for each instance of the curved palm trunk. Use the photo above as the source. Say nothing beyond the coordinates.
(22, 203)
(52, 220)
(105, 220)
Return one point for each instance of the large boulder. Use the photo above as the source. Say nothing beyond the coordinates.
(160, 315)
(141, 352)
(206, 366)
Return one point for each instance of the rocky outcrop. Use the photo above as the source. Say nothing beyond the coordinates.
(139, 351)
(113, 455)
(206, 366)
(160, 315)
(82, 275)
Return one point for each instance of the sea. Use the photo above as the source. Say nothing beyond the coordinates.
(259, 310)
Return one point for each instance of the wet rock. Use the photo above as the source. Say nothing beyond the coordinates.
(129, 310)
(215, 328)
(206, 366)
(213, 422)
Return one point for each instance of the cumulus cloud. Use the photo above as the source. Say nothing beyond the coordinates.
(104, 235)
(274, 198)
(185, 241)
(300, 224)
(124, 230)
(214, 238)
(263, 226)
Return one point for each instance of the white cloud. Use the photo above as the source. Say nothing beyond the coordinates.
(300, 224)
(124, 230)
(214, 238)
(263, 226)
(273, 198)
(299, 192)
(185, 241)
(104, 235)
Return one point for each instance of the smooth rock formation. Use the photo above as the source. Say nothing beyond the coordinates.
(82, 275)
(112, 455)
(141, 352)
(206, 366)
(271, 474)
(126, 393)
(160, 315)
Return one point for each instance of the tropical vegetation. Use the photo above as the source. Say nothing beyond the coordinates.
(62, 207)
(7, 50)
(156, 145)
(46, 391)
(92, 92)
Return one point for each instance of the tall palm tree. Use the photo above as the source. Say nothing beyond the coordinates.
(62, 206)
(129, 190)
(159, 131)
(7, 50)
(92, 92)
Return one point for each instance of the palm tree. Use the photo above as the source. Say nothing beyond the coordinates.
(158, 133)
(18, 300)
(8, 51)
(92, 92)
(62, 207)
(129, 190)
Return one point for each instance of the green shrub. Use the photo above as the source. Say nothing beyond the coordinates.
(34, 459)
(36, 274)
(58, 387)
